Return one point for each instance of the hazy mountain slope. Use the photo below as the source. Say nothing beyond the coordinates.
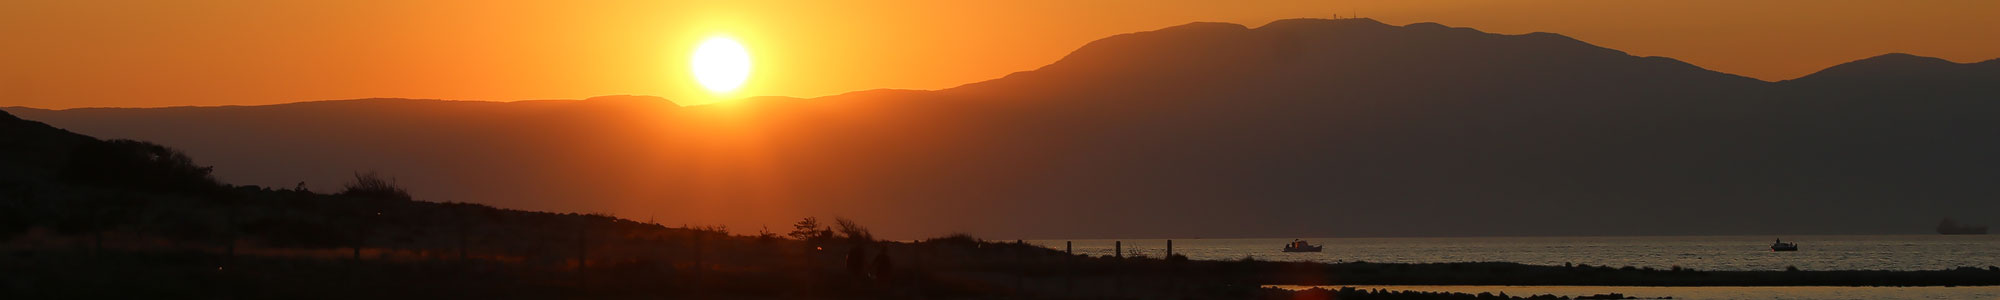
(1295, 128)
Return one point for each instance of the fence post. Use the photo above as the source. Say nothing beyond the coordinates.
(1069, 268)
(1170, 249)
(1118, 247)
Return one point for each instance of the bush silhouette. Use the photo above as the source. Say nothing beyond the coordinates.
(852, 230)
(372, 186)
(810, 229)
(955, 238)
(138, 165)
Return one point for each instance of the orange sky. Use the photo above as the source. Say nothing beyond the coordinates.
(83, 53)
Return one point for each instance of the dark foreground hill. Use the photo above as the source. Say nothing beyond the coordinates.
(82, 218)
(1295, 128)
(92, 219)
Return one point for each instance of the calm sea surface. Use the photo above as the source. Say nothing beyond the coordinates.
(1708, 293)
(1825, 252)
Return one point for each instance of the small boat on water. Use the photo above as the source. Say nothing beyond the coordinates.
(1781, 245)
(1947, 226)
(1301, 246)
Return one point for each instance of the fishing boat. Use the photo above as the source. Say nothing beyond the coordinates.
(1301, 246)
(1781, 245)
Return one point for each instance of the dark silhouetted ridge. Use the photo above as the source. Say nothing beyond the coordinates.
(1904, 77)
(1893, 66)
(631, 100)
(33, 149)
(1357, 56)
(1302, 127)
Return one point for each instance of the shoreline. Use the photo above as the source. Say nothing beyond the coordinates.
(1913, 252)
(1629, 292)
(1501, 273)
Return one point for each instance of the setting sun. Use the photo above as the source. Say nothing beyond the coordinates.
(1036, 149)
(721, 64)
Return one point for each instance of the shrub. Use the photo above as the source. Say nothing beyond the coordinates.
(853, 231)
(765, 234)
(372, 186)
(956, 238)
(720, 230)
(810, 229)
(138, 165)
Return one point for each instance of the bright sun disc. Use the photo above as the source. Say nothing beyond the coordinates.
(721, 64)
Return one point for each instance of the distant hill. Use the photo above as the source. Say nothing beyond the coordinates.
(1302, 127)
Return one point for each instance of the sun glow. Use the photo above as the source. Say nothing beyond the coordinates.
(721, 64)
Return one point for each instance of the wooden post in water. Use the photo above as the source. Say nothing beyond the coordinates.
(1069, 268)
(1118, 278)
(1173, 282)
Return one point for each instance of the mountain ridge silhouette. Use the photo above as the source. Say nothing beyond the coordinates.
(1906, 68)
(1305, 127)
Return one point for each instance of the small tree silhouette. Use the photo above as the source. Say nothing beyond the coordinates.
(372, 186)
(852, 230)
(809, 229)
(765, 234)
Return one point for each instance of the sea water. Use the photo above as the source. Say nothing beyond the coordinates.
(1717, 253)
(1705, 292)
